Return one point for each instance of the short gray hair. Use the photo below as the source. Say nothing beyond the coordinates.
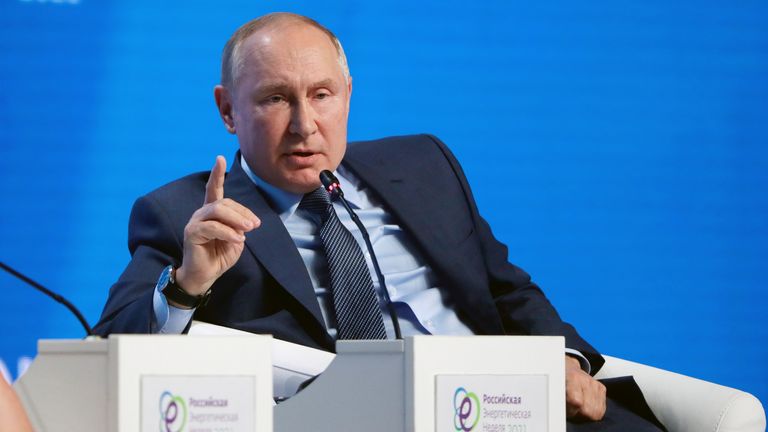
(231, 58)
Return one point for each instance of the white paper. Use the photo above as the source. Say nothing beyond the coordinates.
(292, 364)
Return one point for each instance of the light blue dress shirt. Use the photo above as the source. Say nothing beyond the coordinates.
(421, 306)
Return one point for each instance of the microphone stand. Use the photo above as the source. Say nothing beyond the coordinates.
(52, 295)
(331, 184)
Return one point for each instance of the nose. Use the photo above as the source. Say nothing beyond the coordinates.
(303, 120)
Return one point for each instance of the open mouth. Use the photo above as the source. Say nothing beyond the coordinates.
(302, 159)
(302, 154)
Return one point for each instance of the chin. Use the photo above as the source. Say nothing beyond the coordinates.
(304, 183)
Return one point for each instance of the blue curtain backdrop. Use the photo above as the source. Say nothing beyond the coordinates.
(618, 148)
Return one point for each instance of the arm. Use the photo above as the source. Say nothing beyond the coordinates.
(524, 309)
(154, 243)
(210, 244)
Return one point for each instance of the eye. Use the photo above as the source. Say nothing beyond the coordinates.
(274, 99)
(322, 95)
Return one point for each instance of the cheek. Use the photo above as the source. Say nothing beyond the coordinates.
(339, 152)
(334, 119)
(266, 131)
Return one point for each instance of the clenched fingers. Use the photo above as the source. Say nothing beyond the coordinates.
(205, 231)
(584, 396)
(230, 213)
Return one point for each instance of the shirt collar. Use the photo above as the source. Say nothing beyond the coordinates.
(285, 203)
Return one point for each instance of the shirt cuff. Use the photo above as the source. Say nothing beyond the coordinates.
(583, 362)
(169, 319)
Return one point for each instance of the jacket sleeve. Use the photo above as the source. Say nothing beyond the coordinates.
(522, 306)
(154, 243)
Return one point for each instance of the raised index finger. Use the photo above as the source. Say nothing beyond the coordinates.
(214, 189)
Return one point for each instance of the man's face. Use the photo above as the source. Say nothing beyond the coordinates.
(289, 106)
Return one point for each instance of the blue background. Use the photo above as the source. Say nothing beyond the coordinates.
(618, 148)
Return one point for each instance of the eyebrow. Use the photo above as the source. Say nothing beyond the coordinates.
(324, 83)
(279, 87)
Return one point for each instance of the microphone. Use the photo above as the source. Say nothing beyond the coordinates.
(52, 295)
(331, 185)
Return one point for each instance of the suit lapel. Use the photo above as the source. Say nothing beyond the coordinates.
(404, 196)
(422, 214)
(270, 243)
(410, 202)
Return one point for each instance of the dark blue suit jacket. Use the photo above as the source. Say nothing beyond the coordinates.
(269, 291)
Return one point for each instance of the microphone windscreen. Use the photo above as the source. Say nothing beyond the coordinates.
(327, 179)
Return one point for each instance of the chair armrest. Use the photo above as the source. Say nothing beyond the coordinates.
(684, 404)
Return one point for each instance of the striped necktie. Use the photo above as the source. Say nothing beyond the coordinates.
(358, 314)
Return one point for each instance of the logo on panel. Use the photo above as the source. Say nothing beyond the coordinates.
(466, 408)
(173, 413)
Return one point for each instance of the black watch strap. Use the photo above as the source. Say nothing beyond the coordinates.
(167, 285)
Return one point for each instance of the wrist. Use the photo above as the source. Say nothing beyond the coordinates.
(572, 361)
(176, 295)
(188, 284)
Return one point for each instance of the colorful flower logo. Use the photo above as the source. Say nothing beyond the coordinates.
(173, 413)
(466, 406)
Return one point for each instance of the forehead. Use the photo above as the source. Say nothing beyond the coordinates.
(294, 49)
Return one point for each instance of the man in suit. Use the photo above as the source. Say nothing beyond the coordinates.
(250, 256)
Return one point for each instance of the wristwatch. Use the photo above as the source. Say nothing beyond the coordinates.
(167, 285)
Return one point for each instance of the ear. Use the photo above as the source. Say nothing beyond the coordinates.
(224, 102)
(349, 93)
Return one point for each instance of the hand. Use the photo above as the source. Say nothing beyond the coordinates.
(214, 236)
(584, 395)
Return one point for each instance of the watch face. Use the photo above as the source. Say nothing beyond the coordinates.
(173, 292)
(165, 277)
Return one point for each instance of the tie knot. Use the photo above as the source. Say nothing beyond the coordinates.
(318, 201)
